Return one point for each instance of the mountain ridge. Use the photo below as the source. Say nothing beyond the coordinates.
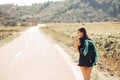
(67, 11)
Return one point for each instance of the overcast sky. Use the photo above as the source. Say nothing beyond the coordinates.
(24, 2)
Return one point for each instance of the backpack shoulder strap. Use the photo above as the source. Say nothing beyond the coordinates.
(86, 48)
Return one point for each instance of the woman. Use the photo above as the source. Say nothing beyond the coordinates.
(85, 67)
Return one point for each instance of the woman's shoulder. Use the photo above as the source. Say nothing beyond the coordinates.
(80, 39)
(77, 39)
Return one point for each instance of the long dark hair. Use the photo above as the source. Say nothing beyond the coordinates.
(84, 33)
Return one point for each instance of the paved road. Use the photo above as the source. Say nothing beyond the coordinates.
(33, 57)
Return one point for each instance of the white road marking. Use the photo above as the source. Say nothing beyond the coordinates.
(18, 54)
(75, 69)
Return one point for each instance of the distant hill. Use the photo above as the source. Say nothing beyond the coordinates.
(67, 11)
(9, 17)
(6, 19)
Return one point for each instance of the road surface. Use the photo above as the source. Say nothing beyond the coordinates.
(33, 57)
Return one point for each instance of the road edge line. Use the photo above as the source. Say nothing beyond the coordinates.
(75, 69)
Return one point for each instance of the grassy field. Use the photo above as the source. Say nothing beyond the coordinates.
(9, 33)
(106, 35)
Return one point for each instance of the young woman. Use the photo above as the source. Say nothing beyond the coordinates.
(85, 67)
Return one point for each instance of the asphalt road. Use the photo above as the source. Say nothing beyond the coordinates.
(33, 57)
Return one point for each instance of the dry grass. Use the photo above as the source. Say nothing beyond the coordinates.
(7, 34)
(67, 33)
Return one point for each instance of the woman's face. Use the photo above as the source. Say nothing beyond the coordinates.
(80, 34)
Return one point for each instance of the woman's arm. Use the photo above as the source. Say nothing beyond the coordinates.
(77, 43)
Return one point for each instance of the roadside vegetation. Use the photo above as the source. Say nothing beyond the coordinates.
(106, 36)
(9, 33)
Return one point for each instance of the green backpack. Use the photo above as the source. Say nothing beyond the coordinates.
(90, 49)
